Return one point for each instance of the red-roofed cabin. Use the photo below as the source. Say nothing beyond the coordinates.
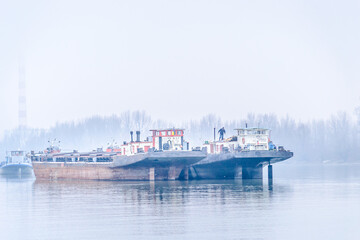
(168, 139)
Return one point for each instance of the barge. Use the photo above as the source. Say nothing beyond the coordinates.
(163, 157)
(241, 156)
(166, 156)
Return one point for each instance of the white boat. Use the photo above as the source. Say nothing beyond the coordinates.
(16, 163)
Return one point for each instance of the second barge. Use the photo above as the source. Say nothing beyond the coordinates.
(241, 156)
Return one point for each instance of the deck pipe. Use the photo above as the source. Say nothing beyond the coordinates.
(137, 136)
(131, 134)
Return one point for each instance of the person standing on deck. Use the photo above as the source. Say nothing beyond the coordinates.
(221, 132)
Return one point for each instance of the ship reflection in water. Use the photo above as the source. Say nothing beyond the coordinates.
(298, 207)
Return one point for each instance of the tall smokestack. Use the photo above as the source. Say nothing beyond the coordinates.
(137, 136)
(22, 96)
(131, 134)
(22, 104)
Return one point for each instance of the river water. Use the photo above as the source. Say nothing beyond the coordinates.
(304, 202)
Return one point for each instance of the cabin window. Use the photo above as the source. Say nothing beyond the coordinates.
(179, 132)
(16, 153)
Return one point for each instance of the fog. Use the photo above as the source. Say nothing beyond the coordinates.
(335, 140)
(94, 69)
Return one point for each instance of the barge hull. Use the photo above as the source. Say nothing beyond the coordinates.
(101, 171)
(243, 165)
(146, 166)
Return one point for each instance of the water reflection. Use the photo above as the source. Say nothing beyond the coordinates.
(14, 177)
(169, 192)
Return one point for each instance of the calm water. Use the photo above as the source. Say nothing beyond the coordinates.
(322, 203)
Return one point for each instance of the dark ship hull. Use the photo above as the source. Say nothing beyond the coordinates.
(244, 164)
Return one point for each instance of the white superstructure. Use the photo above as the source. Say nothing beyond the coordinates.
(171, 139)
(16, 163)
(16, 157)
(247, 139)
(253, 138)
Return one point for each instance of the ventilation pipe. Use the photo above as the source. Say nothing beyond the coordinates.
(137, 136)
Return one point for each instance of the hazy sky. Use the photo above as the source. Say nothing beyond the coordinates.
(179, 60)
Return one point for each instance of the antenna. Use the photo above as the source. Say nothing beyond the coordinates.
(214, 134)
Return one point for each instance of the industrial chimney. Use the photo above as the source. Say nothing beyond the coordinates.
(131, 134)
(137, 136)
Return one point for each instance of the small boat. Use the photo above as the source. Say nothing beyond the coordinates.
(16, 163)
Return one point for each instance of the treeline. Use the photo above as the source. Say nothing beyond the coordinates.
(333, 140)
